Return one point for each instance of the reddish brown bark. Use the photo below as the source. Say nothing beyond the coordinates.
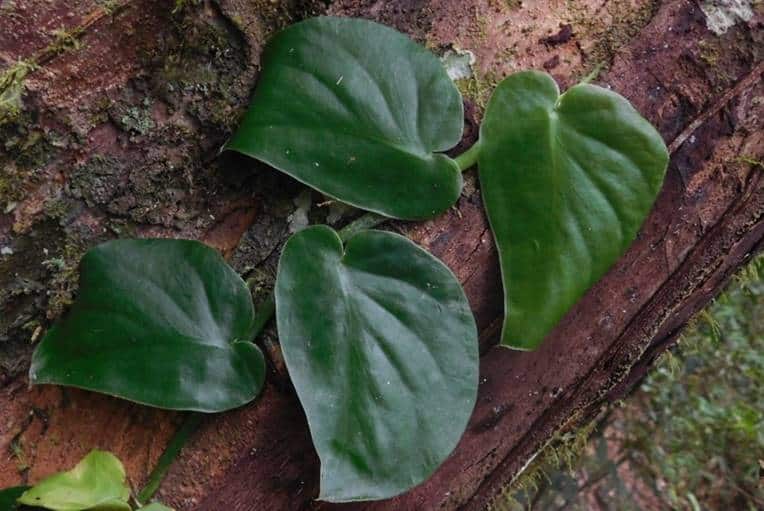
(701, 90)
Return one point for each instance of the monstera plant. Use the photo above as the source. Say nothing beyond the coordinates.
(377, 334)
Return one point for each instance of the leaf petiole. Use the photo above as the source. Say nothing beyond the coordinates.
(266, 309)
(263, 314)
(190, 424)
(469, 157)
(594, 73)
(363, 222)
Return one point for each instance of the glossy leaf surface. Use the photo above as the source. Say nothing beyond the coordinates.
(359, 112)
(9, 496)
(156, 506)
(165, 323)
(97, 483)
(566, 181)
(381, 346)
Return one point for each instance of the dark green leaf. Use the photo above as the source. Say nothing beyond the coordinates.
(97, 483)
(165, 323)
(567, 181)
(382, 348)
(9, 496)
(359, 112)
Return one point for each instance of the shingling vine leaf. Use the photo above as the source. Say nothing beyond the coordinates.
(166, 323)
(97, 483)
(567, 180)
(359, 112)
(381, 346)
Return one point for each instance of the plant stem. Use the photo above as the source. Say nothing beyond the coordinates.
(263, 314)
(190, 424)
(365, 221)
(469, 157)
(267, 308)
(593, 73)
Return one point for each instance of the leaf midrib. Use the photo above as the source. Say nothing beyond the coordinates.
(424, 154)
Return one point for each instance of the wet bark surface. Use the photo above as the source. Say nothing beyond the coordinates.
(113, 129)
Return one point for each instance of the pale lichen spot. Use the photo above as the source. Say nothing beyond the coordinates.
(458, 63)
(721, 15)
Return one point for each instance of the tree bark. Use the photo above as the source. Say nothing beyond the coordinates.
(116, 131)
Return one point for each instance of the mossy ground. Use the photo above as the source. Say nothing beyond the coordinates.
(691, 437)
(611, 30)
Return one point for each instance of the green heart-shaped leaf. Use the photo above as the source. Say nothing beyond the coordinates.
(381, 346)
(359, 112)
(9, 497)
(567, 181)
(97, 483)
(165, 323)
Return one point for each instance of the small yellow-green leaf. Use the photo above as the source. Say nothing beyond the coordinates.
(97, 483)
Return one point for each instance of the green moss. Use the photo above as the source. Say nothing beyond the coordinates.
(561, 452)
(709, 53)
(478, 88)
(482, 22)
(179, 5)
(17, 450)
(12, 90)
(26, 151)
(12, 79)
(109, 6)
(11, 187)
(622, 25)
(66, 40)
(238, 22)
(752, 161)
(201, 72)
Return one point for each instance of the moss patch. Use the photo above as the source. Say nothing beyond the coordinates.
(11, 91)
(561, 452)
(478, 88)
(624, 24)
